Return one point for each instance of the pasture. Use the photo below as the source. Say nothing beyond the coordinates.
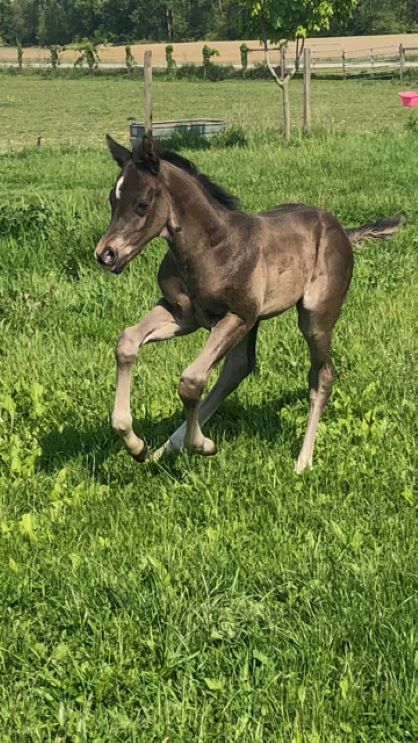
(78, 112)
(221, 599)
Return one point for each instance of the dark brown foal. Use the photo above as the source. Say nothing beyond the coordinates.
(224, 271)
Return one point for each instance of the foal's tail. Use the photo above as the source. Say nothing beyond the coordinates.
(382, 229)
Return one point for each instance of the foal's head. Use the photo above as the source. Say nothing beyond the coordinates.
(139, 209)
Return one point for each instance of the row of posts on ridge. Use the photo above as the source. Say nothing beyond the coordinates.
(306, 93)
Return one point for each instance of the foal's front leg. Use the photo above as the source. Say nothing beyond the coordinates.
(159, 325)
(226, 334)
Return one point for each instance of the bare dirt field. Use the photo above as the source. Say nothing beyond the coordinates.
(324, 48)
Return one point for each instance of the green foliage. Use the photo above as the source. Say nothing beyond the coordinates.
(411, 123)
(226, 598)
(377, 17)
(28, 219)
(207, 54)
(171, 62)
(260, 71)
(276, 20)
(89, 54)
(129, 58)
(61, 115)
(55, 52)
(53, 22)
(233, 136)
(19, 54)
(208, 600)
(7, 32)
(244, 58)
(209, 71)
(189, 71)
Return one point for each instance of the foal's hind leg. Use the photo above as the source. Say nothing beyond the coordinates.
(239, 363)
(317, 327)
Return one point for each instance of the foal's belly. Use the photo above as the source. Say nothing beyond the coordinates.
(285, 282)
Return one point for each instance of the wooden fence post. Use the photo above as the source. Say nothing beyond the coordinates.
(343, 64)
(148, 93)
(307, 91)
(401, 61)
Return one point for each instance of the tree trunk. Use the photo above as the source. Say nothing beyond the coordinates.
(286, 110)
(169, 18)
(283, 84)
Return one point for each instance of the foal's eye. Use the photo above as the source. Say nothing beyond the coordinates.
(142, 207)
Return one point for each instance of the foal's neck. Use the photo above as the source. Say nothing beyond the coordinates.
(196, 222)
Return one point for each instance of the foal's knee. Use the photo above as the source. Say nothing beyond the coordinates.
(127, 348)
(122, 424)
(191, 387)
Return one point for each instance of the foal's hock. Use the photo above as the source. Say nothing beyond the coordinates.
(225, 271)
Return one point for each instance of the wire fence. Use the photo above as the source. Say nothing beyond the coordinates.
(78, 109)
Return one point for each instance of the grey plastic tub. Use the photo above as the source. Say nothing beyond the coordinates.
(165, 129)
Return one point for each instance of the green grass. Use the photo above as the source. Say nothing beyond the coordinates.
(79, 112)
(221, 599)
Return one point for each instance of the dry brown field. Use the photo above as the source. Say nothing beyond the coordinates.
(354, 46)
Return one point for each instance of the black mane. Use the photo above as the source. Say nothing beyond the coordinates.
(228, 200)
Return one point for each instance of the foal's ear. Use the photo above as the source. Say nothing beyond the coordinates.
(118, 152)
(149, 154)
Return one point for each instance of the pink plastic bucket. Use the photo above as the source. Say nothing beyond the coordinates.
(409, 98)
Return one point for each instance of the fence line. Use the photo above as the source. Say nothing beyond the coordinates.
(371, 58)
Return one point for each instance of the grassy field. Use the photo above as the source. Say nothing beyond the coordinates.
(221, 599)
(79, 112)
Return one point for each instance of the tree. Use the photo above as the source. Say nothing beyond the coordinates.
(89, 54)
(207, 53)
(228, 20)
(243, 50)
(278, 21)
(19, 54)
(6, 22)
(129, 58)
(171, 62)
(55, 52)
(25, 20)
(51, 24)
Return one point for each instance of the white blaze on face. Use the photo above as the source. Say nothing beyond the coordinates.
(119, 186)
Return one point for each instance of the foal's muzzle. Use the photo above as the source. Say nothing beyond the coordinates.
(107, 257)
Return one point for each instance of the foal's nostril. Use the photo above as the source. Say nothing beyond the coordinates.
(108, 257)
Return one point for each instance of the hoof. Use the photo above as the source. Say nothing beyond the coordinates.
(301, 465)
(206, 449)
(141, 455)
(166, 449)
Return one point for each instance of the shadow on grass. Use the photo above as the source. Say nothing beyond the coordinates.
(98, 443)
